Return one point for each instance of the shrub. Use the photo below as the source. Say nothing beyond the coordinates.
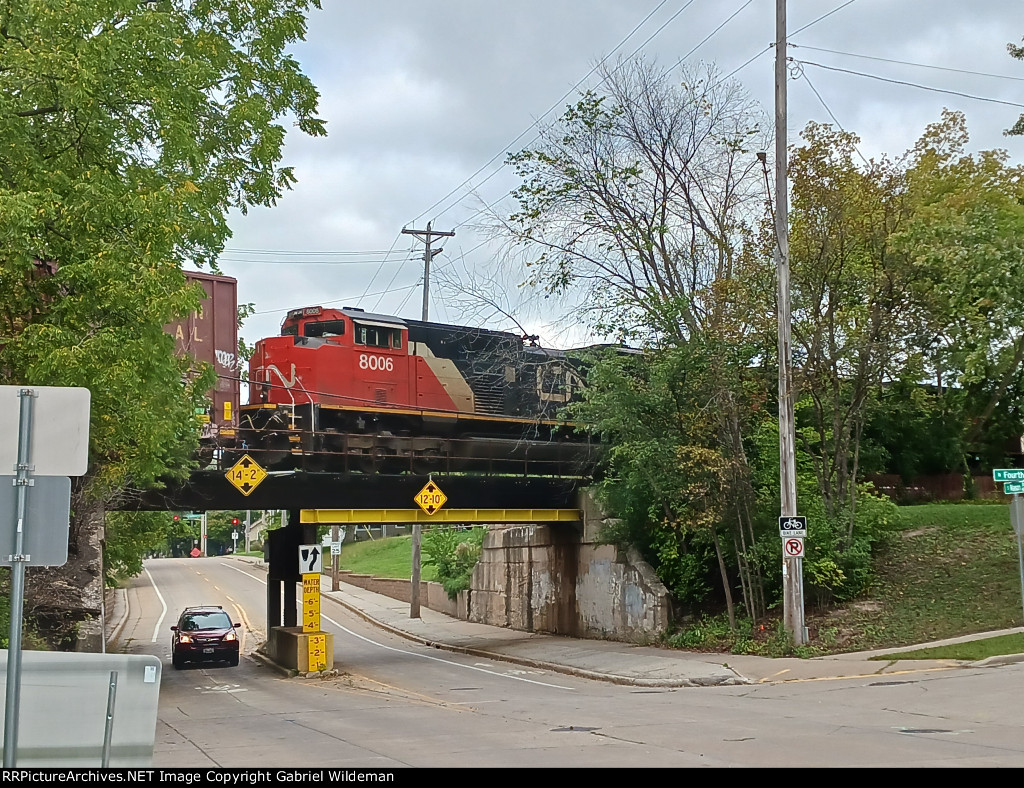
(454, 552)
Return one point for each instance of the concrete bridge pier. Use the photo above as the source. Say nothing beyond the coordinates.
(561, 579)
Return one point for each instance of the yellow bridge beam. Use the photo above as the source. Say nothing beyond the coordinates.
(399, 516)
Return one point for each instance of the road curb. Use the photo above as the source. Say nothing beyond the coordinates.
(709, 681)
(114, 628)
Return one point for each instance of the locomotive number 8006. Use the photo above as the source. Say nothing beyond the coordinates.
(377, 363)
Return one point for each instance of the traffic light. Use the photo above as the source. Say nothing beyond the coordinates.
(234, 521)
(176, 518)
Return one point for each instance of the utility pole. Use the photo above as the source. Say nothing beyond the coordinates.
(426, 236)
(792, 568)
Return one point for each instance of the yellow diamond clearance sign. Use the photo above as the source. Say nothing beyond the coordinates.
(430, 499)
(246, 475)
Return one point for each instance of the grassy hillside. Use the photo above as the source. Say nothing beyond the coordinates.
(390, 557)
(951, 570)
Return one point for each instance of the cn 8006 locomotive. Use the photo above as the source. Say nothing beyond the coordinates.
(345, 389)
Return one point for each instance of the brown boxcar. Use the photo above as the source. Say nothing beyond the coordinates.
(211, 335)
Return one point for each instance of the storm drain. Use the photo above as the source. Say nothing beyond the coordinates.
(574, 729)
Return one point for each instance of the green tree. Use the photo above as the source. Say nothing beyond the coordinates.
(641, 200)
(128, 131)
(1017, 52)
(965, 241)
(671, 477)
(852, 311)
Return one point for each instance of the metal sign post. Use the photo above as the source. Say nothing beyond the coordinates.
(1017, 519)
(53, 440)
(1012, 480)
(17, 582)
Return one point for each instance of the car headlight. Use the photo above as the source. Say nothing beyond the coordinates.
(185, 639)
(231, 636)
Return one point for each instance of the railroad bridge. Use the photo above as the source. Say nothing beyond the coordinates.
(543, 567)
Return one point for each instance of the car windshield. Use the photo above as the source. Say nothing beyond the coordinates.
(214, 620)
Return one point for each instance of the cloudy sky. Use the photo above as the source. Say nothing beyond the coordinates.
(424, 99)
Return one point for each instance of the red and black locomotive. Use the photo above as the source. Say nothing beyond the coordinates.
(345, 389)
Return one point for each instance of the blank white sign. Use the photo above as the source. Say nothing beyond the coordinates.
(59, 431)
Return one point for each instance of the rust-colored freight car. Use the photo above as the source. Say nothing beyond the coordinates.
(211, 335)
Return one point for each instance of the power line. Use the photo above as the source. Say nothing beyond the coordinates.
(823, 16)
(549, 111)
(379, 267)
(335, 300)
(302, 252)
(828, 109)
(908, 63)
(908, 84)
(713, 32)
(310, 262)
(635, 52)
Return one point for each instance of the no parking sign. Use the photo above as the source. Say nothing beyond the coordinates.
(793, 547)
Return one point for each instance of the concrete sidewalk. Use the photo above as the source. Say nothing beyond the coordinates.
(605, 660)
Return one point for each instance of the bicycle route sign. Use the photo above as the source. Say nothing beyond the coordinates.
(792, 526)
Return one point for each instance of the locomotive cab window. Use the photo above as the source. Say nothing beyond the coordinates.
(290, 331)
(324, 328)
(378, 336)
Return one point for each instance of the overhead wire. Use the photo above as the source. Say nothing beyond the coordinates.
(631, 56)
(549, 111)
(909, 63)
(332, 301)
(828, 109)
(909, 84)
(823, 16)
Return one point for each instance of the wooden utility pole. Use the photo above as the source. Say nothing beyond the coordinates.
(792, 568)
(426, 236)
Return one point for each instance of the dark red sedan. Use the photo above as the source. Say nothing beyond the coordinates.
(204, 634)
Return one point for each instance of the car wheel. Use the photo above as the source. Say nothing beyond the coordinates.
(178, 662)
(233, 661)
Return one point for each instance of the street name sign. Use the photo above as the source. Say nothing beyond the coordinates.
(1008, 474)
(1013, 488)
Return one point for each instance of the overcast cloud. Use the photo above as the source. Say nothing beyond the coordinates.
(419, 96)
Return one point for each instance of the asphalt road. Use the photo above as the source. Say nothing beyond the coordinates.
(397, 703)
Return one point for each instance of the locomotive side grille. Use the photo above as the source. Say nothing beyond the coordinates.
(380, 396)
(490, 399)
